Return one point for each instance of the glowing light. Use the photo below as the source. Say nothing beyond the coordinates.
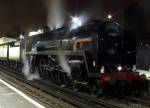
(102, 69)
(109, 16)
(94, 63)
(22, 94)
(75, 19)
(21, 37)
(76, 22)
(119, 68)
(32, 33)
(134, 68)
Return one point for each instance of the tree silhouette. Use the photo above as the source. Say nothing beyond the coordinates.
(134, 19)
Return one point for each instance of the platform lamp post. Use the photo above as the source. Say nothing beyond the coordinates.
(21, 38)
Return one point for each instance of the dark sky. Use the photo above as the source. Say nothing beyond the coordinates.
(24, 13)
(31, 13)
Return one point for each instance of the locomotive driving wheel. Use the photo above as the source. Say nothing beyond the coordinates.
(96, 88)
(65, 81)
(76, 87)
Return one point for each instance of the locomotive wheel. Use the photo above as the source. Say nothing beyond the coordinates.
(64, 81)
(143, 88)
(143, 77)
(96, 88)
(128, 87)
(76, 87)
(121, 89)
(52, 77)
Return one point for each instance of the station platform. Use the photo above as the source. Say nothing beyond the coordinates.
(10, 97)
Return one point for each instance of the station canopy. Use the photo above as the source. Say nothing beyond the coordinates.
(6, 40)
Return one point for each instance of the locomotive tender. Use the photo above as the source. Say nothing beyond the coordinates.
(99, 55)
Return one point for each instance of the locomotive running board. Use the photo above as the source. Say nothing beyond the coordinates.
(80, 82)
(81, 53)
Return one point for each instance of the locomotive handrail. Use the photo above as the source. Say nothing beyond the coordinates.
(55, 53)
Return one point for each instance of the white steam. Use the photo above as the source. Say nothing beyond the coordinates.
(55, 13)
(63, 63)
(26, 70)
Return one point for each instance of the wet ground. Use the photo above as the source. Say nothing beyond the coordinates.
(11, 99)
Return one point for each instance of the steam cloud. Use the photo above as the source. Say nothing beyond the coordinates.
(55, 16)
(63, 63)
(26, 70)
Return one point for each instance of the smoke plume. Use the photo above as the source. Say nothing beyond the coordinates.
(55, 13)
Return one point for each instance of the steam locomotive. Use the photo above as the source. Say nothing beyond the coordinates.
(99, 56)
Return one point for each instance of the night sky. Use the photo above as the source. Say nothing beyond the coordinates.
(31, 13)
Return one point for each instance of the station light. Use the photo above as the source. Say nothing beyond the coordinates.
(76, 22)
(102, 69)
(109, 16)
(119, 68)
(21, 36)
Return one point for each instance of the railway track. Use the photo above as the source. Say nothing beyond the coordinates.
(42, 97)
(72, 98)
(81, 100)
(140, 101)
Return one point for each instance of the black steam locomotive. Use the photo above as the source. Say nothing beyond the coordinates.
(99, 56)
